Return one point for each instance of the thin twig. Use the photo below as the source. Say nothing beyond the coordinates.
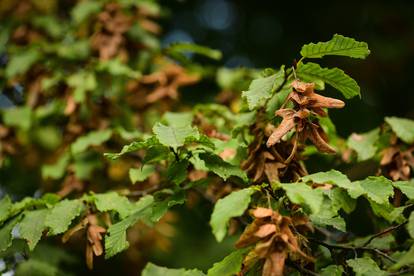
(302, 270)
(386, 231)
(353, 248)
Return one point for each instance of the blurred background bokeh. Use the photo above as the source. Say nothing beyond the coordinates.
(269, 33)
(261, 34)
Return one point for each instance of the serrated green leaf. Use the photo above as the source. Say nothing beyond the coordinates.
(230, 265)
(154, 270)
(141, 174)
(221, 167)
(5, 207)
(365, 267)
(341, 200)
(93, 138)
(6, 233)
(338, 46)
(115, 239)
(332, 270)
(406, 259)
(114, 202)
(173, 136)
(364, 144)
(388, 212)
(302, 194)
(134, 146)
(406, 187)
(21, 62)
(330, 177)
(57, 170)
(177, 171)
(378, 189)
(32, 226)
(61, 215)
(178, 119)
(328, 215)
(410, 225)
(261, 89)
(404, 128)
(233, 205)
(161, 206)
(335, 77)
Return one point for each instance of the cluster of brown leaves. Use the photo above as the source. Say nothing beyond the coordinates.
(93, 234)
(275, 163)
(396, 162)
(109, 40)
(160, 86)
(307, 103)
(112, 24)
(276, 238)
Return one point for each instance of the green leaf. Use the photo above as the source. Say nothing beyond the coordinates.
(404, 128)
(406, 187)
(57, 170)
(185, 47)
(173, 136)
(180, 119)
(388, 212)
(261, 89)
(154, 270)
(82, 81)
(364, 144)
(6, 233)
(332, 270)
(21, 62)
(233, 205)
(134, 146)
(335, 77)
(18, 117)
(32, 226)
(115, 240)
(34, 267)
(161, 206)
(406, 259)
(330, 177)
(230, 265)
(114, 202)
(61, 215)
(141, 174)
(341, 200)
(220, 167)
(5, 207)
(116, 68)
(93, 138)
(410, 225)
(84, 10)
(328, 215)
(302, 194)
(378, 189)
(338, 46)
(365, 267)
(177, 171)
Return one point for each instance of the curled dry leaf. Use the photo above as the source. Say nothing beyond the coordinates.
(275, 240)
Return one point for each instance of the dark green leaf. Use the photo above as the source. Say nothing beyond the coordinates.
(338, 46)
(233, 205)
(335, 77)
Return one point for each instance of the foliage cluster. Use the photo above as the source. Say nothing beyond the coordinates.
(101, 106)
